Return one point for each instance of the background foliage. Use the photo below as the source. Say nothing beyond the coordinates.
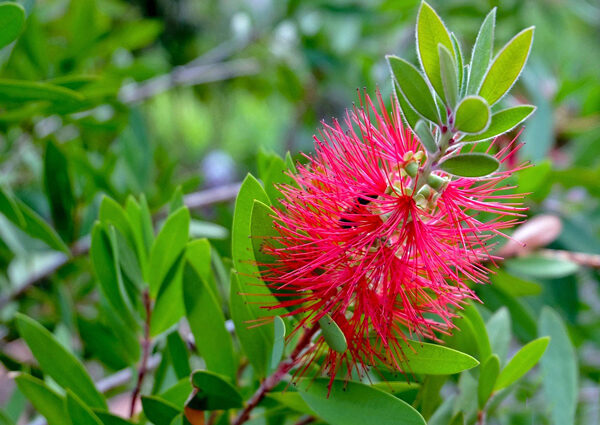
(114, 115)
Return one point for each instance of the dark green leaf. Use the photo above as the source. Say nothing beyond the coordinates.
(23, 91)
(502, 122)
(470, 165)
(482, 52)
(413, 87)
(44, 399)
(79, 413)
(213, 392)
(430, 33)
(68, 372)
(448, 72)
(425, 136)
(12, 18)
(506, 67)
(10, 209)
(559, 369)
(169, 307)
(179, 355)
(59, 189)
(522, 362)
(472, 115)
(110, 419)
(36, 227)
(159, 411)
(353, 403)
(333, 335)
(169, 245)
(487, 379)
(207, 323)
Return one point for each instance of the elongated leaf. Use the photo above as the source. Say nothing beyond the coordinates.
(522, 362)
(169, 307)
(502, 122)
(515, 285)
(507, 67)
(353, 403)
(9, 207)
(23, 91)
(207, 323)
(425, 136)
(112, 213)
(482, 52)
(78, 412)
(459, 64)
(36, 227)
(471, 313)
(472, 115)
(278, 341)
(214, 392)
(487, 379)
(431, 359)
(159, 411)
(255, 342)
(409, 116)
(413, 87)
(44, 399)
(68, 372)
(449, 74)
(470, 165)
(143, 238)
(293, 400)
(12, 18)
(110, 419)
(498, 328)
(430, 33)
(559, 369)
(541, 267)
(168, 245)
(59, 189)
(334, 337)
(105, 268)
(179, 355)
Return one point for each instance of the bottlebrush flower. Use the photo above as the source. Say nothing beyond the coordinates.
(356, 243)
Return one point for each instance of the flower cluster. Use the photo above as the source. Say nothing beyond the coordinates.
(382, 247)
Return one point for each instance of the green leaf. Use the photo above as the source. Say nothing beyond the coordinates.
(333, 335)
(425, 136)
(482, 52)
(78, 412)
(169, 307)
(207, 323)
(413, 87)
(9, 207)
(472, 115)
(12, 18)
(353, 403)
(502, 122)
(255, 341)
(507, 67)
(470, 165)
(431, 359)
(430, 33)
(169, 245)
(487, 379)
(24, 91)
(409, 116)
(117, 348)
(536, 266)
(243, 250)
(515, 285)
(213, 392)
(36, 227)
(293, 400)
(178, 393)
(45, 400)
(449, 76)
(105, 268)
(559, 369)
(179, 355)
(278, 341)
(459, 63)
(471, 313)
(275, 174)
(526, 358)
(159, 411)
(112, 213)
(110, 419)
(59, 189)
(498, 328)
(68, 372)
(200, 255)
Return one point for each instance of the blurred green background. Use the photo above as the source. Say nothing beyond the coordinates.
(186, 93)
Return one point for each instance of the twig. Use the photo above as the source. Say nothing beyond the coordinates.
(193, 201)
(270, 382)
(188, 75)
(305, 420)
(581, 258)
(146, 343)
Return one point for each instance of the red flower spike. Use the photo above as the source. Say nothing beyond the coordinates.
(386, 264)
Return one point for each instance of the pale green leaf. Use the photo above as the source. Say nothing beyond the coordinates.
(502, 122)
(482, 52)
(472, 115)
(470, 165)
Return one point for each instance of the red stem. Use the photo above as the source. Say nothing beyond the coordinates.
(271, 381)
(146, 343)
